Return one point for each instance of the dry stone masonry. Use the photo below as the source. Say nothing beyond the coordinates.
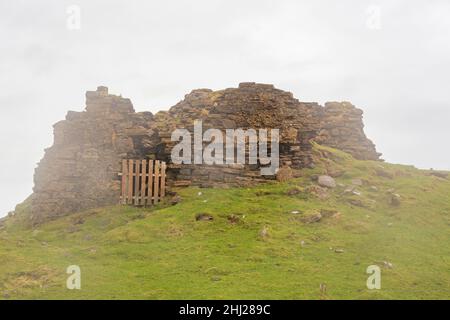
(80, 171)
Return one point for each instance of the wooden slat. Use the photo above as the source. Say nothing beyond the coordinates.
(163, 179)
(150, 183)
(137, 173)
(143, 182)
(130, 181)
(123, 197)
(156, 186)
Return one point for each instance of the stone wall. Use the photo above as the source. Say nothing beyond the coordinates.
(342, 128)
(80, 171)
(249, 106)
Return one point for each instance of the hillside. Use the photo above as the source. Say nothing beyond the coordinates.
(280, 240)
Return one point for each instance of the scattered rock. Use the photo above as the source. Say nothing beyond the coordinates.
(175, 200)
(357, 182)
(302, 243)
(357, 203)
(349, 189)
(293, 192)
(233, 219)
(204, 217)
(312, 218)
(328, 213)
(327, 182)
(314, 177)
(395, 200)
(339, 250)
(296, 212)
(263, 193)
(362, 202)
(374, 189)
(264, 233)
(284, 174)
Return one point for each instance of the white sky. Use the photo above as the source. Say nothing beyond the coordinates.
(396, 68)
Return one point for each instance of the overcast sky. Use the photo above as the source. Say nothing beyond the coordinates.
(390, 58)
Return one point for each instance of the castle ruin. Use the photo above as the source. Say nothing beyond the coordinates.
(81, 170)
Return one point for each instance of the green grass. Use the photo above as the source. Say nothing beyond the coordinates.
(164, 253)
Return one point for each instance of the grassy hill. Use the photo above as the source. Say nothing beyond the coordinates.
(273, 241)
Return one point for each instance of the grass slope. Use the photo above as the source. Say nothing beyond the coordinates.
(164, 253)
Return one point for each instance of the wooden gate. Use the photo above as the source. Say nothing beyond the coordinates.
(143, 182)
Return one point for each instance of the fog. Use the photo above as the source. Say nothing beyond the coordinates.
(390, 58)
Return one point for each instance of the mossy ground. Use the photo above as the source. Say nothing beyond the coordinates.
(164, 253)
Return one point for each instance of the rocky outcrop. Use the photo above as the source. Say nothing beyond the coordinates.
(342, 128)
(80, 170)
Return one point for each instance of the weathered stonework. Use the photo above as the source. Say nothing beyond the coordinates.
(342, 128)
(80, 170)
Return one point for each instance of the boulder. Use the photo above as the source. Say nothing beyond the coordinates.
(395, 200)
(312, 217)
(327, 182)
(204, 217)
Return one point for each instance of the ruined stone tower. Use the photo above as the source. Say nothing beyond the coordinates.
(80, 171)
